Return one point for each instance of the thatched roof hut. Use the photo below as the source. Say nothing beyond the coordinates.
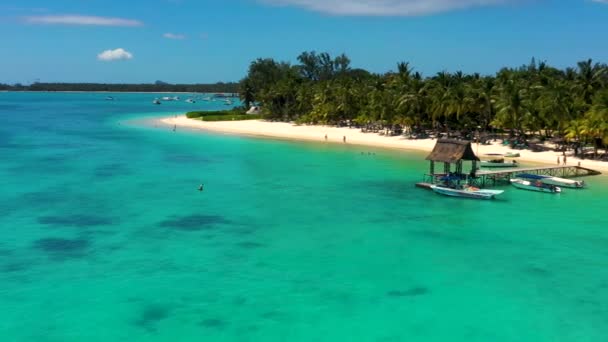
(452, 151)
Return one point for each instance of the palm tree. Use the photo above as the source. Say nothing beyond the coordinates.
(511, 105)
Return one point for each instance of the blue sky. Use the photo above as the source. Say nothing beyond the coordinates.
(200, 41)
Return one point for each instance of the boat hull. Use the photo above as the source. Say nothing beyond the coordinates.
(478, 194)
(550, 180)
(564, 183)
(526, 185)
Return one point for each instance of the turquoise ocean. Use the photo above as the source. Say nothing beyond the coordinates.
(106, 238)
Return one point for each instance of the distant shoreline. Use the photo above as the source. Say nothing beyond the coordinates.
(335, 135)
(109, 92)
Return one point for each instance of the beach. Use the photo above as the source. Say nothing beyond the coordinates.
(354, 136)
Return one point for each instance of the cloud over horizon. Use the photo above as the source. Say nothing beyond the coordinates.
(70, 19)
(119, 54)
(174, 36)
(386, 7)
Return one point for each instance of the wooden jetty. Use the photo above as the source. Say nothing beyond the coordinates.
(496, 177)
(450, 152)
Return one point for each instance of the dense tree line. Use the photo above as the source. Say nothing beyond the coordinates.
(534, 99)
(155, 87)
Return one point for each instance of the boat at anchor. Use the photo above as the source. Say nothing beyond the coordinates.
(466, 191)
(550, 180)
(535, 186)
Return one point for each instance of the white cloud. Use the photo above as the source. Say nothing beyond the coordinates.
(385, 7)
(114, 55)
(174, 36)
(80, 20)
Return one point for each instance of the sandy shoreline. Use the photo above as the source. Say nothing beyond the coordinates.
(283, 130)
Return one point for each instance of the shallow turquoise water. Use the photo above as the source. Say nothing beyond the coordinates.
(105, 238)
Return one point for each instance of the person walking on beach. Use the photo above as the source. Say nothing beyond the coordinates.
(325, 137)
(344, 139)
(558, 162)
(564, 159)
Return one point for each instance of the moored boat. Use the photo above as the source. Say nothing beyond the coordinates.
(550, 180)
(498, 163)
(535, 186)
(512, 155)
(156, 101)
(466, 192)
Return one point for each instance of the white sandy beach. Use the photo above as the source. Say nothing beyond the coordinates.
(354, 136)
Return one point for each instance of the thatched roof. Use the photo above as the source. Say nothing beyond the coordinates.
(452, 151)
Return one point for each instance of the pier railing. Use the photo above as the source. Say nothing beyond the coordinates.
(485, 178)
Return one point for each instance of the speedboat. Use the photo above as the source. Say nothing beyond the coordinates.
(535, 186)
(550, 180)
(466, 192)
(156, 101)
(109, 98)
(190, 101)
(498, 163)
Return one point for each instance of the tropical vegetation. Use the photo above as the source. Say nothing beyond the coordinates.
(222, 115)
(569, 105)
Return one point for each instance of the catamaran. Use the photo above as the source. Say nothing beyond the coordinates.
(466, 192)
(535, 186)
(550, 180)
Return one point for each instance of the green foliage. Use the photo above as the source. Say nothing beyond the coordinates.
(199, 114)
(231, 117)
(532, 99)
(236, 114)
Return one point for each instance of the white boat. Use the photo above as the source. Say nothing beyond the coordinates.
(467, 192)
(498, 163)
(512, 155)
(535, 186)
(156, 101)
(190, 101)
(109, 98)
(550, 180)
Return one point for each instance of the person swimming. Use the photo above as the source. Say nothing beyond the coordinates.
(201, 187)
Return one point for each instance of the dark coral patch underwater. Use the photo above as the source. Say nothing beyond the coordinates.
(194, 222)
